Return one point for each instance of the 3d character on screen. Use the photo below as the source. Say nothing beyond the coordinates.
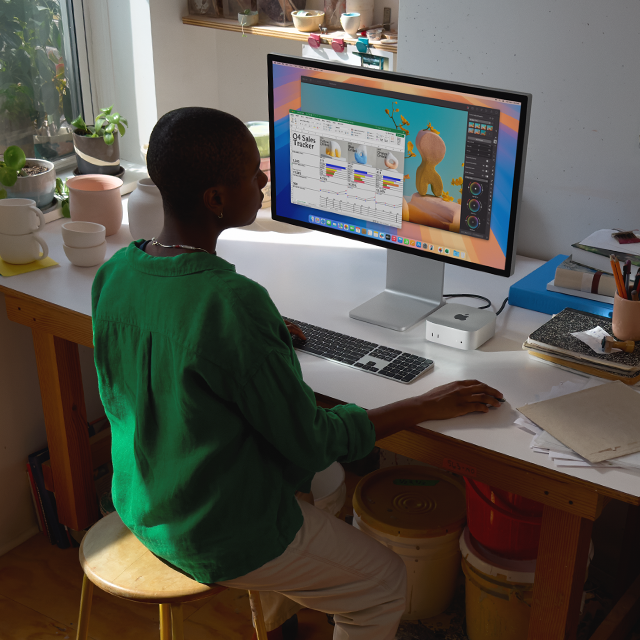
(361, 154)
(436, 209)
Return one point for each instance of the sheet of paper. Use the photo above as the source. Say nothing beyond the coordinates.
(593, 338)
(598, 423)
(603, 240)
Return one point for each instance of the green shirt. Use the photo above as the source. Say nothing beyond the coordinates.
(213, 426)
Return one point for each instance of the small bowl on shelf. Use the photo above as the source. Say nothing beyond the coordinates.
(307, 20)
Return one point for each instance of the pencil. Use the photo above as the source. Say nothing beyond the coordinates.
(617, 274)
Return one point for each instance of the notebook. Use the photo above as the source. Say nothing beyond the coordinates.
(554, 338)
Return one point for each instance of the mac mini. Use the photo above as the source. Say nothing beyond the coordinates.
(460, 326)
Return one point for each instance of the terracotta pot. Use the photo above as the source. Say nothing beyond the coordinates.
(96, 198)
(146, 213)
(95, 156)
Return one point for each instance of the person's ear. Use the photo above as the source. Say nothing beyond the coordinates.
(212, 199)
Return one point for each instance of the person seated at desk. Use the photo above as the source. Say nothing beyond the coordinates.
(214, 430)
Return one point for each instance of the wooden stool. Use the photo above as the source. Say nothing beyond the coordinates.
(116, 561)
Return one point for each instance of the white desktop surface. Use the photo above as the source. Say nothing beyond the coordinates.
(318, 278)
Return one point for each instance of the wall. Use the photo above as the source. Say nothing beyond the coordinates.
(579, 60)
(221, 69)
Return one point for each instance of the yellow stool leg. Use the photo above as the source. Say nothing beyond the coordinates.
(177, 627)
(257, 615)
(165, 622)
(85, 608)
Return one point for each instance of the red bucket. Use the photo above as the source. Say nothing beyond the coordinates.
(504, 523)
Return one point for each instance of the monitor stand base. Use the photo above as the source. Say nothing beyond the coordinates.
(413, 291)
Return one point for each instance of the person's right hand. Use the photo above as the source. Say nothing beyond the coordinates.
(457, 399)
(448, 401)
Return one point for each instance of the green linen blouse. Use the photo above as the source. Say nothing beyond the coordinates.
(213, 427)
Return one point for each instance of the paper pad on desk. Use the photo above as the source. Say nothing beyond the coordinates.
(599, 423)
(7, 269)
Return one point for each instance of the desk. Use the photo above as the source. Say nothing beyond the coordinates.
(318, 278)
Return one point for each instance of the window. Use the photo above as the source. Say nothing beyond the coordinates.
(40, 91)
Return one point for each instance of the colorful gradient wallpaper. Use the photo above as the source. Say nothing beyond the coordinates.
(377, 110)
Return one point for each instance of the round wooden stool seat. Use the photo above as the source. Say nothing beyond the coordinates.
(117, 562)
(113, 559)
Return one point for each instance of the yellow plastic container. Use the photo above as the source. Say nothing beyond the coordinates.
(498, 592)
(418, 513)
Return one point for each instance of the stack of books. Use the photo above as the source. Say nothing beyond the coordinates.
(587, 272)
(595, 250)
(574, 279)
(553, 343)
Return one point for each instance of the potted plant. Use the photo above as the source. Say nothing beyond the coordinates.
(247, 18)
(35, 94)
(96, 146)
(24, 177)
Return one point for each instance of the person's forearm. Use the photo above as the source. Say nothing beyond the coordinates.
(394, 417)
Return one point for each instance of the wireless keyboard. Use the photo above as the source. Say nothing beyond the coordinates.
(360, 354)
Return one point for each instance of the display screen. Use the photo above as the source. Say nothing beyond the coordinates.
(401, 161)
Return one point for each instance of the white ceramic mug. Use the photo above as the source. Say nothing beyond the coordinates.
(22, 249)
(19, 216)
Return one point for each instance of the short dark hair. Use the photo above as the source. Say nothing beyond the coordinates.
(192, 149)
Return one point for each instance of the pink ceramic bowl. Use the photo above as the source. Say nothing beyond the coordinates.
(96, 198)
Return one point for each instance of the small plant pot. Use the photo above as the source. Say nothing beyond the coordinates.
(39, 188)
(95, 156)
(248, 19)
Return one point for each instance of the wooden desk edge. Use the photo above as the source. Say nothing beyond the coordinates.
(550, 487)
(48, 317)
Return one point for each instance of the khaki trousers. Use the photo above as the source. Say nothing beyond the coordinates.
(332, 567)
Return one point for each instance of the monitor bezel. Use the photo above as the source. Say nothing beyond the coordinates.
(501, 94)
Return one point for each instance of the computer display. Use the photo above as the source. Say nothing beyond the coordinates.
(422, 167)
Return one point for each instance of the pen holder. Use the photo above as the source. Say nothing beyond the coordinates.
(626, 318)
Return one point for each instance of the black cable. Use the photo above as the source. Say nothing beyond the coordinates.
(504, 304)
(469, 295)
(477, 297)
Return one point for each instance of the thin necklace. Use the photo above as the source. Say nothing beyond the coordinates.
(180, 246)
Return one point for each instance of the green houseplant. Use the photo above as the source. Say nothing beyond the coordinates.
(35, 94)
(96, 146)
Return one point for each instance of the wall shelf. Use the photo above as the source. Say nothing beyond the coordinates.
(288, 33)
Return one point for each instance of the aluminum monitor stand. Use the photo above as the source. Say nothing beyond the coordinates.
(413, 291)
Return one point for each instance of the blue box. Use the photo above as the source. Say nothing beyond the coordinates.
(531, 293)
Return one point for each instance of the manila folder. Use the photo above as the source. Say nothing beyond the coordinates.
(599, 423)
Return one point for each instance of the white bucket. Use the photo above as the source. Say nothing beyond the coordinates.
(432, 565)
(329, 490)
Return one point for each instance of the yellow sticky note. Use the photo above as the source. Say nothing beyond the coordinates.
(7, 269)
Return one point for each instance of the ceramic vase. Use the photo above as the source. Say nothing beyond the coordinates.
(96, 198)
(364, 8)
(146, 214)
(350, 23)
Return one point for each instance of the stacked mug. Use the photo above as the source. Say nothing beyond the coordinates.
(20, 221)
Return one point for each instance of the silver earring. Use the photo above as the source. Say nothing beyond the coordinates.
(220, 216)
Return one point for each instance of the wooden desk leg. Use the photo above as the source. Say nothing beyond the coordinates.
(560, 575)
(65, 419)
